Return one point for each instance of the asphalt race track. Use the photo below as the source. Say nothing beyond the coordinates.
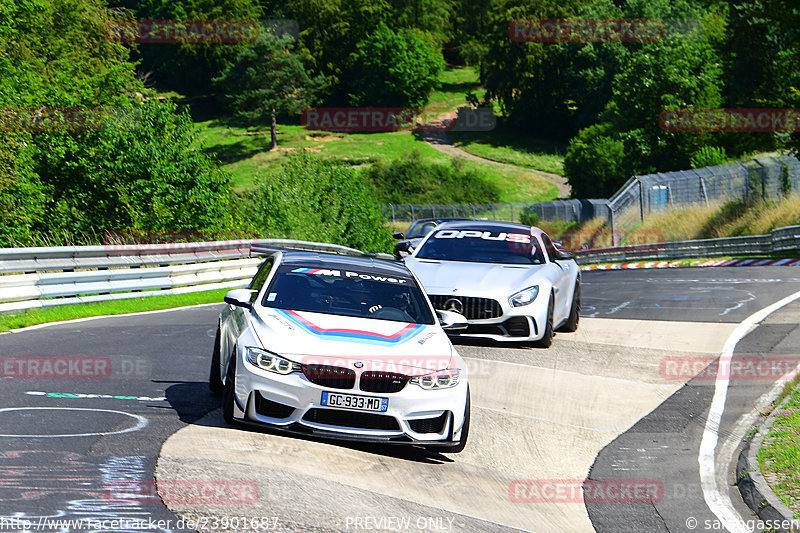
(602, 403)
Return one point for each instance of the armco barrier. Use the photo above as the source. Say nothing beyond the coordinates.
(43, 277)
(779, 240)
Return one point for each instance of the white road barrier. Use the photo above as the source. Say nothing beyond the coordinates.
(43, 277)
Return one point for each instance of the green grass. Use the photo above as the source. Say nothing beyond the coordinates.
(116, 307)
(451, 94)
(506, 146)
(780, 453)
(247, 157)
(245, 151)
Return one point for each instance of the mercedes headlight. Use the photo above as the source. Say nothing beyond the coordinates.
(271, 362)
(446, 379)
(524, 297)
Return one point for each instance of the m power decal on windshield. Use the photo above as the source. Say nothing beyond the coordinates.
(521, 238)
(349, 274)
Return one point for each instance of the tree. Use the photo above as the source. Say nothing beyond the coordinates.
(188, 67)
(394, 69)
(267, 79)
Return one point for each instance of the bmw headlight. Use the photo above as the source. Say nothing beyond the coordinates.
(271, 362)
(524, 297)
(446, 379)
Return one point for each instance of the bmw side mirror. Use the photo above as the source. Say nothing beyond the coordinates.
(399, 235)
(452, 321)
(563, 255)
(239, 298)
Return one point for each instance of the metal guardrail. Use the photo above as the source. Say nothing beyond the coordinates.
(779, 240)
(43, 277)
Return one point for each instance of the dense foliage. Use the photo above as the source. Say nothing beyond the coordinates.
(410, 179)
(308, 198)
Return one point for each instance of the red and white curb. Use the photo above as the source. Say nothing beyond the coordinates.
(709, 263)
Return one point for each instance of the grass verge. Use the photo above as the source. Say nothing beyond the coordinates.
(115, 307)
(506, 146)
(780, 452)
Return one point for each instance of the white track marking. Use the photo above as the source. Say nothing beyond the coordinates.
(719, 502)
(141, 422)
(87, 318)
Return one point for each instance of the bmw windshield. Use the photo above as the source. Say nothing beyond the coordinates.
(482, 247)
(348, 293)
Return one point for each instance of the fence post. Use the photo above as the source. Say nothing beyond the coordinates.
(641, 198)
(703, 188)
(611, 223)
(763, 178)
(512, 211)
(413, 217)
(454, 209)
(393, 220)
(474, 213)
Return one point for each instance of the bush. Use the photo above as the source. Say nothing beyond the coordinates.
(594, 162)
(147, 173)
(410, 179)
(308, 198)
(528, 217)
(709, 156)
(21, 196)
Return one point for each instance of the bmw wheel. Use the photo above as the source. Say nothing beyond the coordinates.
(228, 398)
(462, 442)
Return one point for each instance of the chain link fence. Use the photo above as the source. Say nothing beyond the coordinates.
(568, 210)
(762, 178)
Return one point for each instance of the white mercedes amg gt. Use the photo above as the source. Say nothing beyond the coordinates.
(341, 347)
(510, 281)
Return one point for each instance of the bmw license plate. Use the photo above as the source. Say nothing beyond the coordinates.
(352, 401)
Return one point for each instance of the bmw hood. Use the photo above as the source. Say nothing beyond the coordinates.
(471, 279)
(380, 345)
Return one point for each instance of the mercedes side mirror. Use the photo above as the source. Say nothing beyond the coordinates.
(563, 255)
(452, 321)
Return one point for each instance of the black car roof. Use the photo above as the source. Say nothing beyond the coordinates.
(319, 260)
